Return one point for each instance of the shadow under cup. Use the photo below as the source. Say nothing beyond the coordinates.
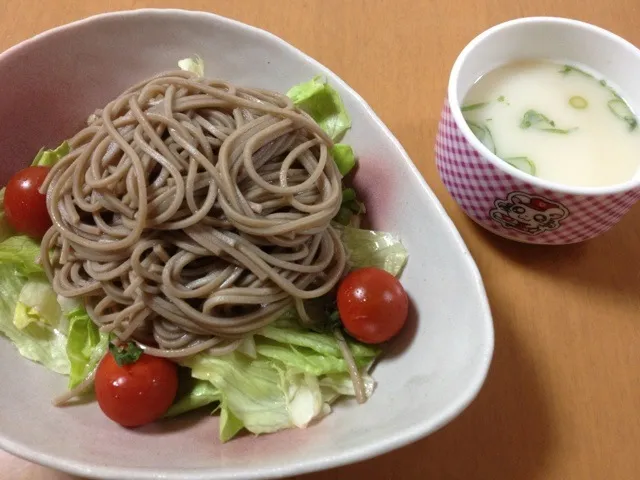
(500, 197)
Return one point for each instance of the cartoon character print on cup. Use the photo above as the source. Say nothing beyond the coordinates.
(529, 214)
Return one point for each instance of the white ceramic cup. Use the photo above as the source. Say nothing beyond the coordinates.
(497, 195)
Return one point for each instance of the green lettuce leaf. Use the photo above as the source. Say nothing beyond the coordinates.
(28, 315)
(368, 248)
(44, 327)
(31, 317)
(86, 345)
(344, 157)
(193, 64)
(349, 208)
(252, 389)
(305, 398)
(323, 103)
(288, 332)
(291, 382)
(22, 252)
(302, 360)
(48, 158)
(6, 230)
(37, 302)
(230, 425)
(265, 396)
(192, 394)
(248, 347)
(336, 385)
(37, 341)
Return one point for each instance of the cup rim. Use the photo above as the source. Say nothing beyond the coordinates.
(456, 111)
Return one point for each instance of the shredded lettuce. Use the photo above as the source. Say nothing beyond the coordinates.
(27, 315)
(251, 389)
(267, 394)
(48, 158)
(86, 345)
(344, 157)
(230, 425)
(295, 376)
(350, 207)
(35, 340)
(37, 302)
(193, 64)
(288, 331)
(368, 248)
(192, 394)
(48, 329)
(38, 322)
(22, 252)
(323, 103)
(6, 230)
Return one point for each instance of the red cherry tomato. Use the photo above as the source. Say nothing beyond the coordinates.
(137, 393)
(25, 206)
(372, 304)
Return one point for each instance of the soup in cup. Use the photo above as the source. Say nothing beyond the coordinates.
(538, 140)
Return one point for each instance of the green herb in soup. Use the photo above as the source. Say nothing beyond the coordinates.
(567, 69)
(616, 105)
(533, 119)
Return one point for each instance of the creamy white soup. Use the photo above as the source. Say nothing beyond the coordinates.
(556, 122)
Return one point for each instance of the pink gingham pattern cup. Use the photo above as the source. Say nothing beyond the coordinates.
(502, 198)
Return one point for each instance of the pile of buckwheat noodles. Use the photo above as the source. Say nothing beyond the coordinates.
(192, 212)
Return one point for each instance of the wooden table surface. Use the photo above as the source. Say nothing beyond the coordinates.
(562, 398)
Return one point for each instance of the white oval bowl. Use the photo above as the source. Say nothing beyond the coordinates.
(428, 375)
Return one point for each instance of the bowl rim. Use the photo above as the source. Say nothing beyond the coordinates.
(456, 108)
(407, 436)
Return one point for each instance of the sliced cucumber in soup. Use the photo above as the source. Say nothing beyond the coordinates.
(473, 106)
(578, 102)
(621, 110)
(522, 163)
(483, 134)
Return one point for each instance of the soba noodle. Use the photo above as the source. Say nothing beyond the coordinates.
(192, 212)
